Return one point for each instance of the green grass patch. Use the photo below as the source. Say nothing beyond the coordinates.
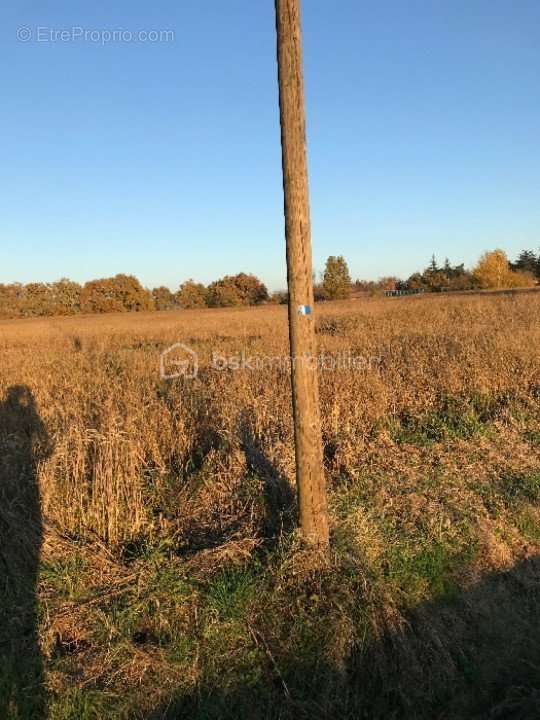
(151, 613)
(182, 650)
(520, 489)
(66, 576)
(78, 704)
(528, 523)
(510, 492)
(453, 418)
(230, 593)
(533, 437)
(426, 571)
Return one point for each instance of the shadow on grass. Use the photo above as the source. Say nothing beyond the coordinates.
(474, 655)
(24, 443)
(279, 499)
(263, 488)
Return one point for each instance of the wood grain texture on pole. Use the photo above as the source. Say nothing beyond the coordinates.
(307, 425)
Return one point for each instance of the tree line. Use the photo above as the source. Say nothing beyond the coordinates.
(493, 271)
(125, 293)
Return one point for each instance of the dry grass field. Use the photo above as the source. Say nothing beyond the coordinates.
(149, 564)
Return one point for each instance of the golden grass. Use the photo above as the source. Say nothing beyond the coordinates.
(115, 423)
(423, 445)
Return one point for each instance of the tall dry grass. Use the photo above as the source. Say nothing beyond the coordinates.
(123, 436)
(155, 487)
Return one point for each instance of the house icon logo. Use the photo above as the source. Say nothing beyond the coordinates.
(178, 360)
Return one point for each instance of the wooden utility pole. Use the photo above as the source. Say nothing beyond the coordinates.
(307, 423)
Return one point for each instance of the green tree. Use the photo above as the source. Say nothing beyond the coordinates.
(336, 278)
(435, 278)
(527, 262)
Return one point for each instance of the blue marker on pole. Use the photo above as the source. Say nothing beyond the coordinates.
(304, 309)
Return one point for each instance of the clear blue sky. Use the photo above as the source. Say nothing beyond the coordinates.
(162, 159)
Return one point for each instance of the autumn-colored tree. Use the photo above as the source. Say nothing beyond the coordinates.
(223, 294)
(463, 281)
(279, 297)
(521, 279)
(132, 295)
(164, 299)
(415, 282)
(241, 289)
(435, 278)
(250, 289)
(492, 270)
(191, 295)
(319, 293)
(336, 278)
(66, 297)
(39, 299)
(121, 293)
(362, 286)
(11, 300)
(36, 300)
(437, 281)
(387, 284)
(98, 296)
